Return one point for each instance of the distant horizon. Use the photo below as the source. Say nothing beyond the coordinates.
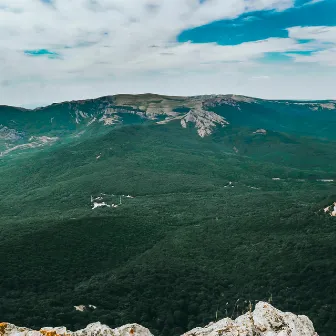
(32, 107)
(272, 49)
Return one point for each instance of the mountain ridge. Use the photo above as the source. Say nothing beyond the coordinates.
(155, 95)
(71, 119)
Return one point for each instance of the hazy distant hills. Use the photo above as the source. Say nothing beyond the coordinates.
(185, 204)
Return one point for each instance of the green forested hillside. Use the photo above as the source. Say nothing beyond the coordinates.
(213, 223)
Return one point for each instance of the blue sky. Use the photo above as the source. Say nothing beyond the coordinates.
(54, 50)
(261, 25)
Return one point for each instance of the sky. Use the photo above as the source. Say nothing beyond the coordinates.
(57, 50)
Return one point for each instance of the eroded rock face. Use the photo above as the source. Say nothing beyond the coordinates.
(93, 329)
(204, 121)
(331, 210)
(260, 131)
(265, 320)
(9, 134)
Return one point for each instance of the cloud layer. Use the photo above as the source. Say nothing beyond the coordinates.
(60, 49)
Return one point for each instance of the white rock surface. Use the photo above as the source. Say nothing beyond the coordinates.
(9, 134)
(35, 142)
(109, 120)
(93, 329)
(265, 320)
(99, 205)
(260, 131)
(80, 308)
(331, 210)
(204, 121)
(83, 308)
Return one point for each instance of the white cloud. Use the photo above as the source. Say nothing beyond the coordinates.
(34, 24)
(323, 40)
(291, 82)
(317, 33)
(109, 46)
(312, 2)
(323, 57)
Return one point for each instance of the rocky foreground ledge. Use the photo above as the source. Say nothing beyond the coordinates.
(265, 320)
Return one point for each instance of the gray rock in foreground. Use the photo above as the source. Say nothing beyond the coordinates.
(265, 320)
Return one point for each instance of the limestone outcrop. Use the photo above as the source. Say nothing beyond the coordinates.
(264, 320)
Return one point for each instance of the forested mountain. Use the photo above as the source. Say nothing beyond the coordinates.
(167, 211)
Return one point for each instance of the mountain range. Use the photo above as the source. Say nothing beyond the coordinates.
(192, 205)
(23, 129)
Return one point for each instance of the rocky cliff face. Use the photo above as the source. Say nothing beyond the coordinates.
(265, 320)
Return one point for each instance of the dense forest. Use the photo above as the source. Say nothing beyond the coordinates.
(212, 224)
